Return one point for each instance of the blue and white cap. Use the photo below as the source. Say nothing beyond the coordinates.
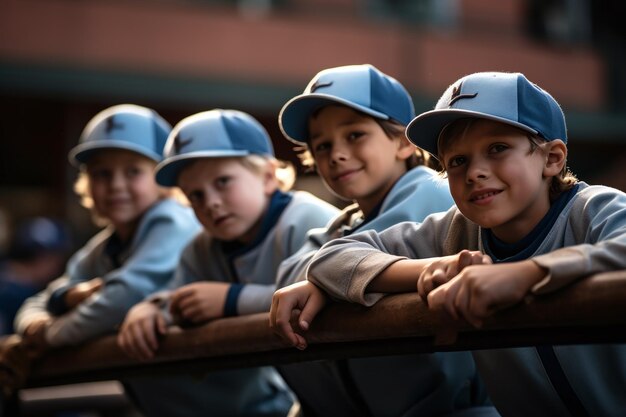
(360, 87)
(211, 134)
(125, 126)
(503, 97)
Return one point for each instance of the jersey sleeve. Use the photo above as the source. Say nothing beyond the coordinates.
(35, 307)
(597, 223)
(345, 267)
(148, 269)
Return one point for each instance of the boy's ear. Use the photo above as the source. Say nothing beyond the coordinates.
(405, 148)
(556, 152)
(270, 181)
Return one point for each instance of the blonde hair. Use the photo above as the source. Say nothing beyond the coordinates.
(393, 130)
(284, 171)
(452, 131)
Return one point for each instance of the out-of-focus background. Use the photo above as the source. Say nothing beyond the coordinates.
(62, 61)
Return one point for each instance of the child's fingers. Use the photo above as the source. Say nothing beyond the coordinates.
(161, 325)
(421, 283)
(281, 321)
(462, 302)
(465, 259)
(300, 342)
(121, 340)
(184, 302)
(140, 344)
(478, 258)
(439, 277)
(148, 330)
(479, 308)
(442, 298)
(427, 279)
(197, 313)
(181, 293)
(314, 305)
(125, 341)
(449, 297)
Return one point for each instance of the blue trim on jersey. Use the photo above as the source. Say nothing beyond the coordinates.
(230, 306)
(278, 203)
(500, 251)
(114, 249)
(56, 303)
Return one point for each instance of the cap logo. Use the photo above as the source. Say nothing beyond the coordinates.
(318, 85)
(456, 94)
(180, 143)
(111, 125)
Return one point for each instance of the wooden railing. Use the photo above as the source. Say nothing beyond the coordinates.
(590, 311)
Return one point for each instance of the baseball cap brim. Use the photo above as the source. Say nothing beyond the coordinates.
(167, 172)
(80, 154)
(294, 116)
(424, 130)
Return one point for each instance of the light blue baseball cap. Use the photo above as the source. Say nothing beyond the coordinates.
(125, 126)
(508, 98)
(211, 134)
(361, 87)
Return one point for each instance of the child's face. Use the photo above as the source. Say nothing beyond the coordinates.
(122, 186)
(495, 179)
(354, 156)
(227, 197)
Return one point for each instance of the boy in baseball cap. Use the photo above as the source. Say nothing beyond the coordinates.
(351, 120)
(522, 225)
(137, 251)
(223, 161)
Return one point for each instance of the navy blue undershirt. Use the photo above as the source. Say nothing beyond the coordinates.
(233, 249)
(500, 251)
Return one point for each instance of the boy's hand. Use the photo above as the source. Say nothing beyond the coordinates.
(199, 302)
(34, 336)
(80, 292)
(139, 334)
(480, 290)
(15, 365)
(302, 299)
(445, 268)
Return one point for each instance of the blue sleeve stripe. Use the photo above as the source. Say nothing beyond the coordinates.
(230, 306)
(56, 303)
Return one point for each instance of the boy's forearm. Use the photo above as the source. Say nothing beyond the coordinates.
(400, 276)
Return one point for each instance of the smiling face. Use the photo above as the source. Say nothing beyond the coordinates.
(229, 199)
(496, 178)
(122, 187)
(354, 156)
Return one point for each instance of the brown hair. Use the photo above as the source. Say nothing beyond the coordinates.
(560, 183)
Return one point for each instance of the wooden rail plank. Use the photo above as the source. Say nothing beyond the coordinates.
(590, 311)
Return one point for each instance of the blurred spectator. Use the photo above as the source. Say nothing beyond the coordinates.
(37, 254)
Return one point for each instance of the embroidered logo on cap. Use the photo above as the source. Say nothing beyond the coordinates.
(180, 143)
(318, 85)
(456, 94)
(111, 125)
